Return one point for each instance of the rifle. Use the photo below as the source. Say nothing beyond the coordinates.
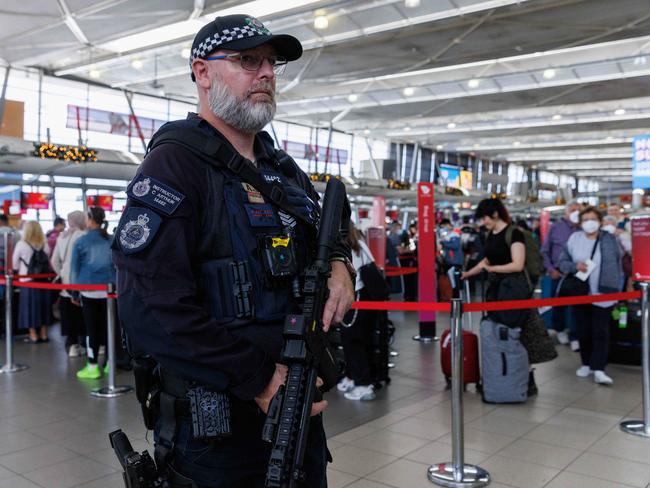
(307, 354)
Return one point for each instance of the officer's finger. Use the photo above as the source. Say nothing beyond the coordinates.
(329, 311)
(318, 407)
(319, 382)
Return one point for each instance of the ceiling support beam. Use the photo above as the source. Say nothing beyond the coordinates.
(69, 21)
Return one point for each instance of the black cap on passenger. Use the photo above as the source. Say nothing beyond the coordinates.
(238, 33)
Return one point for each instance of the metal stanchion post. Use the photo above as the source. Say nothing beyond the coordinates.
(457, 474)
(9, 366)
(642, 427)
(111, 390)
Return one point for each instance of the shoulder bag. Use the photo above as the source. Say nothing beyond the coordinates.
(572, 286)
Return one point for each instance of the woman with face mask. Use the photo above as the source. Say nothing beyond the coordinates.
(596, 250)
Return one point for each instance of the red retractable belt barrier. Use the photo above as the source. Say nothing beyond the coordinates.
(400, 270)
(493, 306)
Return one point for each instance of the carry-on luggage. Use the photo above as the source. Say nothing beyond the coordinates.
(504, 364)
(625, 334)
(471, 372)
(379, 350)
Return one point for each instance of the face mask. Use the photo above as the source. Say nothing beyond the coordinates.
(609, 228)
(574, 216)
(590, 226)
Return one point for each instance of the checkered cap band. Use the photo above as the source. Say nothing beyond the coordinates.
(225, 36)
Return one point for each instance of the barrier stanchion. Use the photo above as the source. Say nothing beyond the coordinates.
(642, 427)
(457, 474)
(111, 391)
(9, 366)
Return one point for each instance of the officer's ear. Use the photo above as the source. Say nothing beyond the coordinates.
(201, 73)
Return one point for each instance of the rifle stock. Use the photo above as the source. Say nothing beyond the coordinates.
(307, 354)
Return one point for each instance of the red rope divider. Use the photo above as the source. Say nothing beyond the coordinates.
(35, 276)
(493, 306)
(59, 286)
(549, 302)
(398, 271)
(405, 306)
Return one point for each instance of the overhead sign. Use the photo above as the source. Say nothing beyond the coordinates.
(450, 175)
(641, 162)
(82, 118)
(466, 179)
(641, 248)
(105, 202)
(37, 201)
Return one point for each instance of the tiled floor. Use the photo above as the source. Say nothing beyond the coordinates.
(53, 434)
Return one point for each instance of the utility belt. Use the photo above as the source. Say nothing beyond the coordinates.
(166, 399)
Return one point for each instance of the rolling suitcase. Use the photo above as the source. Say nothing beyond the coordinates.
(471, 371)
(504, 364)
(379, 350)
(625, 334)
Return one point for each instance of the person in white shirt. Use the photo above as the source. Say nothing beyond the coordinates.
(35, 305)
(72, 322)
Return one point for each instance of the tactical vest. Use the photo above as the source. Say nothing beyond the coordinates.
(252, 247)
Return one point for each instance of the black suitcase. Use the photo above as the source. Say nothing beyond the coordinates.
(625, 343)
(379, 349)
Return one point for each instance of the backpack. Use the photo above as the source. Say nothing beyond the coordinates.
(39, 263)
(534, 266)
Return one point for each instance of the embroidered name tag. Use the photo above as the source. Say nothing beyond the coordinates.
(137, 229)
(272, 176)
(155, 194)
(261, 215)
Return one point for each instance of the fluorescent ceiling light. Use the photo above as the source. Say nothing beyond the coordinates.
(185, 52)
(451, 125)
(407, 128)
(557, 117)
(439, 147)
(366, 131)
(321, 22)
(549, 74)
(473, 83)
(353, 97)
(409, 91)
(619, 111)
(137, 64)
(189, 28)
(95, 73)
(516, 143)
(412, 3)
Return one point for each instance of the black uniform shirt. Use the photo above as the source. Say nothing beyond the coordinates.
(159, 305)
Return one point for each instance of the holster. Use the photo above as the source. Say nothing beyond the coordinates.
(147, 389)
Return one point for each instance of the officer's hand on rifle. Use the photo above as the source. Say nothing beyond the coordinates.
(341, 295)
(279, 377)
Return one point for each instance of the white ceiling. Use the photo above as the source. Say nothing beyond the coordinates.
(562, 84)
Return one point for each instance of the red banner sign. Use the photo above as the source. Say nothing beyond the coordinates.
(379, 212)
(376, 239)
(103, 201)
(426, 249)
(641, 247)
(544, 224)
(37, 201)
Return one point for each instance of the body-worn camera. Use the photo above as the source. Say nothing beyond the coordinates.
(279, 256)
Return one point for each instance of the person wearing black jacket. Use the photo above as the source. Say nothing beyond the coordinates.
(198, 252)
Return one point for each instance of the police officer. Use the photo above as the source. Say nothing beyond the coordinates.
(201, 290)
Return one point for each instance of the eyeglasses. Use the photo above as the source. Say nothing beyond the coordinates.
(253, 62)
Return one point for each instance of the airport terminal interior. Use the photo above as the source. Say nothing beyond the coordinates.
(428, 111)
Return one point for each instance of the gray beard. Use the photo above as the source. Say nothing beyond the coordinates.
(242, 114)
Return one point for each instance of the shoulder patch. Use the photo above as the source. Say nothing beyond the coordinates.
(137, 229)
(155, 194)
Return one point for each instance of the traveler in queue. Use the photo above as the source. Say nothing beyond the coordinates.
(554, 244)
(91, 264)
(605, 276)
(504, 261)
(356, 332)
(72, 321)
(195, 295)
(30, 256)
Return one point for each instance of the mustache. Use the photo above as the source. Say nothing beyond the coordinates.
(264, 87)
